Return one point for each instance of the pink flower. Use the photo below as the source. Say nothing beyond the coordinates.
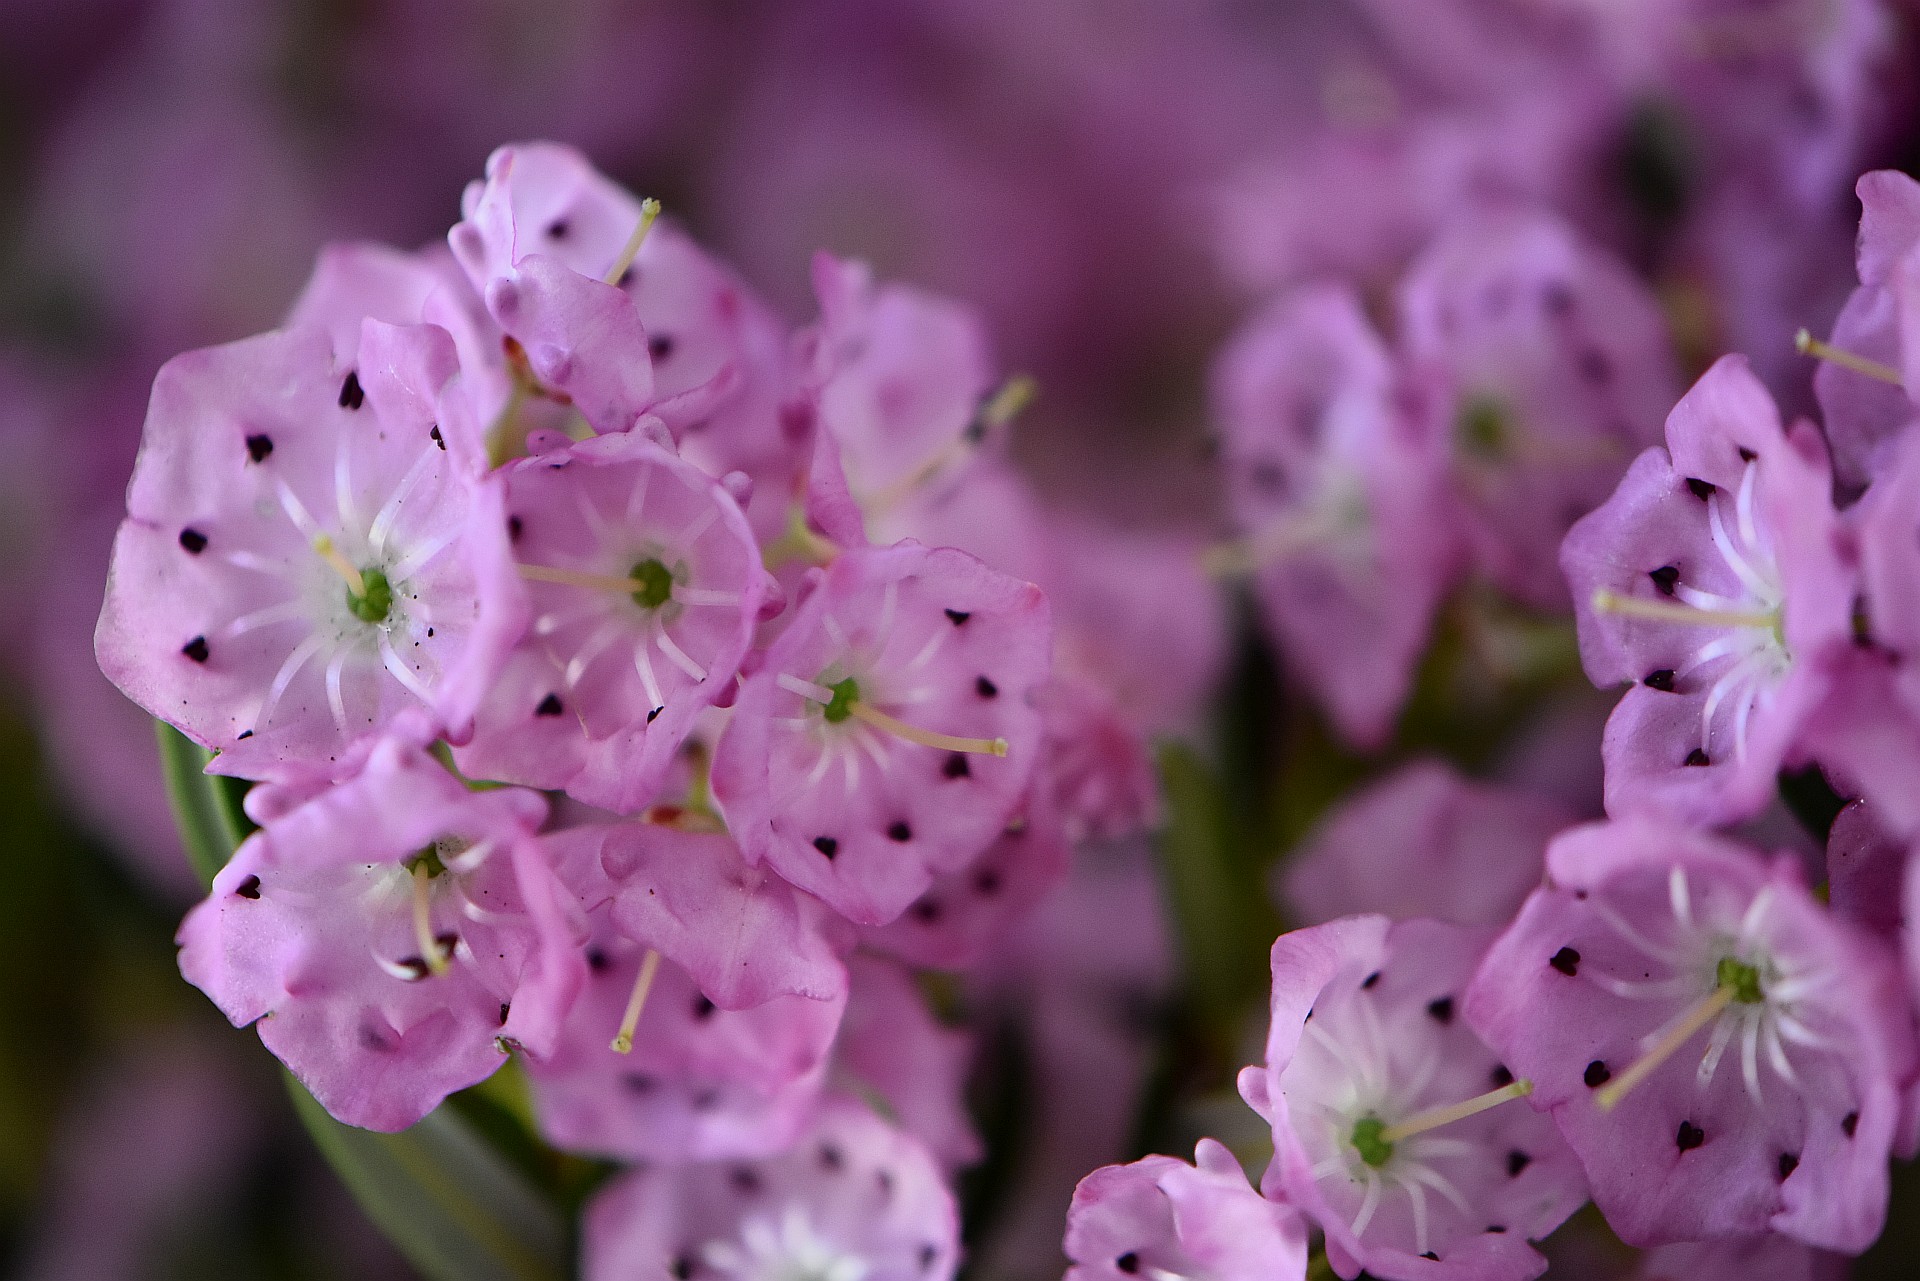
(1725, 1055)
(895, 1050)
(391, 938)
(888, 734)
(1338, 488)
(853, 1200)
(1717, 580)
(646, 587)
(301, 563)
(1161, 1217)
(1394, 1126)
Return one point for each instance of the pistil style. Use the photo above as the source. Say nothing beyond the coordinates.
(1807, 345)
(636, 1002)
(1704, 1012)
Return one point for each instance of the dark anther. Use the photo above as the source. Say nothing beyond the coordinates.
(826, 845)
(258, 447)
(249, 888)
(925, 910)
(1661, 678)
(987, 881)
(703, 1008)
(351, 396)
(830, 1158)
(1366, 984)
(1595, 367)
(655, 712)
(1557, 297)
(549, 706)
(246, 733)
(956, 766)
(558, 229)
(986, 688)
(596, 960)
(1496, 1227)
(1500, 1076)
(899, 831)
(1431, 1255)
(1703, 490)
(1789, 1162)
(1516, 1162)
(514, 527)
(196, 649)
(1698, 756)
(1597, 1075)
(1665, 578)
(1746, 455)
(681, 1267)
(1441, 1010)
(1849, 1123)
(1567, 961)
(928, 1253)
(1689, 1136)
(1128, 1263)
(660, 346)
(438, 439)
(193, 540)
(506, 1008)
(959, 616)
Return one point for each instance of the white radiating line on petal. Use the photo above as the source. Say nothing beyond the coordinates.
(705, 596)
(258, 564)
(590, 649)
(1429, 1177)
(679, 657)
(698, 526)
(1750, 1058)
(643, 666)
(390, 510)
(597, 528)
(637, 497)
(336, 700)
(927, 651)
(284, 612)
(296, 511)
(343, 504)
(1368, 1204)
(301, 655)
(1417, 1196)
(418, 559)
(804, 688)
(1619, 924)
(831, 626)
(390, 659)
(1679, 896)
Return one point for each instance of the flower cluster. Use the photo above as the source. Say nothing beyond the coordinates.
(1645, 1010)
(638, 687)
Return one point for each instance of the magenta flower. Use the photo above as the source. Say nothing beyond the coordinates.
(1393, 1124)
(1339, 490)
(698, 1082)
(391, 939)
(1555, 371)
(853, 1200)
(1725, 1056)
(1425, 841)
(301, 564)
(889, 733)
(646, 587)
(964, 915)
(1163, 1218)
(1718, 581)
(1874, 355)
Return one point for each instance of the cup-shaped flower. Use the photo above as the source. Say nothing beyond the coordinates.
(852, 1200)
(1338, 489)
(1726, 1055)
(645, 586)
(301, 562)
(1719, 582)
(1162, 1218)
(391, 938)
(1395, 1128)
(888, 734)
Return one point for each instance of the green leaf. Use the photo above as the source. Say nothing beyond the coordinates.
(205, 806)
(444, 1197)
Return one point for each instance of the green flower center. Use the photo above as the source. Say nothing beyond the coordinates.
(1366, 1140)
(374, 601)
(428, 859)
(1744, 979)
(845, 695)
(1482, 428)
(656, 584)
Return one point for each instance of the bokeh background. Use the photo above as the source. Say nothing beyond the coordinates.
(1115, 183)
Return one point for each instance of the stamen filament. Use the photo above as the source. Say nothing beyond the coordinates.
(1609, 1095)
(582, 578)
(643, 984)
(1660, 611)
(1010, 401)
(1244, 556)
(430, 952)
(798, 542)
(1807, 345)
(1434, 1118)
(323, 545)
(926, 737)
(649, 210)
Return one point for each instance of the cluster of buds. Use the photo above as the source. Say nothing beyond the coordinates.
(622, 692)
